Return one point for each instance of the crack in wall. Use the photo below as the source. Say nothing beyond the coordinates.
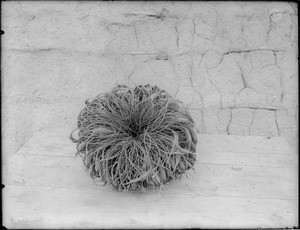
(177, 90)
(56, 49)
(282, 87)
(194, 32)
(213, 84)
(271, 23)
(133, 71)
(176, 31)
(191, 74)
(219, 121)
(162, 56)
(254, 108)
(253, 116)
(227, 128)
(253, 50)
(245, 85)
(241, 52)
(275, 58)
(204, 38)
(289, 36)
(278, 130)
(270, 27)
(220, 61)
(192, 83)
(294, 8)
(144, 14)
(39, 50)
(281, 76)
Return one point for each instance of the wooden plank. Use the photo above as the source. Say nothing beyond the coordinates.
(238, 182)
(42, 170)
(58, 143)
(208, 179)
(204, 155)
(48, 207)
(54, 143)
(245, 144)
(250, 159)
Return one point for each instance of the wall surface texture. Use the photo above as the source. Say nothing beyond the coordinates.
(234, 64)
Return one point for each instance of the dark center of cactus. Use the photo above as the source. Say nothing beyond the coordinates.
(135, 130)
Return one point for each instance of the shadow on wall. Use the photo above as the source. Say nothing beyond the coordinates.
(233, 64)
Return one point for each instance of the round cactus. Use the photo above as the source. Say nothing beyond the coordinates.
(136, 138)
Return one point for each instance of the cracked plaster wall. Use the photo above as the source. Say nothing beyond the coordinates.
(234, 64)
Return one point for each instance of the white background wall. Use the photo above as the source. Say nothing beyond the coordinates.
(233, 63)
